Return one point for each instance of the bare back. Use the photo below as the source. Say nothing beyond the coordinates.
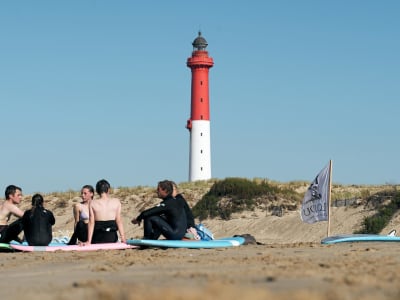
(105, 209)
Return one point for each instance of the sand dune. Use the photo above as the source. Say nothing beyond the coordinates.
(292, 264)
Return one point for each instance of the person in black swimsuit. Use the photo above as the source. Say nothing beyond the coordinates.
(167, 218)
(104, 217)
(37, 223)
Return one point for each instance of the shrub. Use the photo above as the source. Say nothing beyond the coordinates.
(375, 223)
(231, 195)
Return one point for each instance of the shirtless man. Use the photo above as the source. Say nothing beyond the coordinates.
(104, 217)
(7, 208)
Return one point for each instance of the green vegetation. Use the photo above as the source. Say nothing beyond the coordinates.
(385, 211)
(233, 195)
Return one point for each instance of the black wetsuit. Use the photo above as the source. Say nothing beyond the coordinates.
(38, 226)
(168, 218)
(105, 232)
(188, 211)
(11, 232)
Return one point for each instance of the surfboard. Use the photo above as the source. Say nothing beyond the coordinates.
(360, 238)
(191, 244)
(5, 247)
(26, 243)
(92, 247)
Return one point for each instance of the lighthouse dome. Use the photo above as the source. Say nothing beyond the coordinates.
(200, 43)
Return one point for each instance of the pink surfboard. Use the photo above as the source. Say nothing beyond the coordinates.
(92, 247)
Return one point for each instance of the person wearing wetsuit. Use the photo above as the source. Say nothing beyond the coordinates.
(167, 219)
(81, 216)
(179, 197)
(37, 223)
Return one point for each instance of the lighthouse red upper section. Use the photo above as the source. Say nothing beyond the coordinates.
(199, 63)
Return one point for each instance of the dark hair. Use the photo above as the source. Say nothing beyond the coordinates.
(102, 186)
(10, 190)
(37, 202)
(89, 187)
(167, 186)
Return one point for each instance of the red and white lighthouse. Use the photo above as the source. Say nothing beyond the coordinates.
(199, 122)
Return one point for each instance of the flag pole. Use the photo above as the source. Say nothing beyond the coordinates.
(329, 198)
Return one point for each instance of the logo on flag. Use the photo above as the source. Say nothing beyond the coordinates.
(315, 205)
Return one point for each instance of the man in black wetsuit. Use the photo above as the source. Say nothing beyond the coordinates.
(167, 218)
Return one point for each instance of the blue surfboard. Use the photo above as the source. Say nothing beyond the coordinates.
(191, 244)
(360, 238)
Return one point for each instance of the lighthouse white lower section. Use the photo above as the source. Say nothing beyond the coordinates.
(200, 152)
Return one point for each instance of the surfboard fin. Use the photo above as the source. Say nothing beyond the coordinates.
(392, 233)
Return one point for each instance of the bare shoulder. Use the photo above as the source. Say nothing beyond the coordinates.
(115, 201)
(11, 208)
(3, 208)
(8, 206)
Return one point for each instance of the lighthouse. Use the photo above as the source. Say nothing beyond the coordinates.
(199, 122)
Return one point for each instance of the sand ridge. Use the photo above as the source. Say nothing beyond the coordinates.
(291, 263)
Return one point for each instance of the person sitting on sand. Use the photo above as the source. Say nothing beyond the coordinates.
(37, 223)
(191, 231)
(7, 209)
(104, 217)
(81, 216)
(168, 218)
(189, 215)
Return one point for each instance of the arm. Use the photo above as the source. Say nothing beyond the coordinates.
(75, 212)
(52, 220)
(120, 224)
(90, 225)
(189, 215)
(188, 211)
(154, 211)
(15, 210)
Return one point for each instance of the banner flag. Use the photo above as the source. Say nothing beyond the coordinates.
(315, 205)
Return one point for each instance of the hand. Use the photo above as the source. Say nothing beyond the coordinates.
(135, 221)
(83, 244)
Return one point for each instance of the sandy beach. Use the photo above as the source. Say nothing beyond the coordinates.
(280, 271)
(290, 263)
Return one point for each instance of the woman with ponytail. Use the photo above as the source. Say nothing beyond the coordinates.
(38, 223)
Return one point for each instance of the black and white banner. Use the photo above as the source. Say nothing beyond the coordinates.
(315, 205)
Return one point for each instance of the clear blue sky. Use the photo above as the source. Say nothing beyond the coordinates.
(93, 89)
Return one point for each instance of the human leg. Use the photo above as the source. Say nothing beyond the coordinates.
(156, 225)
(12, 232)
(81, 231)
